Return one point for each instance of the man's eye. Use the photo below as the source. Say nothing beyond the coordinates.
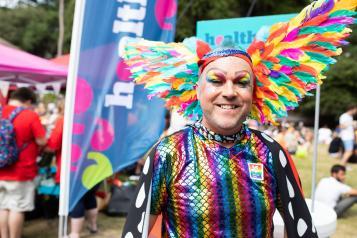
(214, 80)
(243, 82)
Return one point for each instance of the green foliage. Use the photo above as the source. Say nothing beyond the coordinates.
(34, 27)
(49, 98)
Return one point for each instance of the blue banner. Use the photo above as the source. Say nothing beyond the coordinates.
(240, 31)
(114, 122)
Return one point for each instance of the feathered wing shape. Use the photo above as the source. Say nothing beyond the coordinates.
(296, 54)
(168, 70)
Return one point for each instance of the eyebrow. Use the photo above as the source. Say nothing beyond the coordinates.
(225, 72)
(242, 71)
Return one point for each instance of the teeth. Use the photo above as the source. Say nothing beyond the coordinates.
(228, 106)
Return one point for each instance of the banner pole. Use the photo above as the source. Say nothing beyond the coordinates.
(316, 138)
(68, 117)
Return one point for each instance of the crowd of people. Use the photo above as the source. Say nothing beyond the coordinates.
(36, 129)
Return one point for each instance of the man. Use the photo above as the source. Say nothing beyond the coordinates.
(347, 134)
(217, 177)
(17, 187)
(333, 192)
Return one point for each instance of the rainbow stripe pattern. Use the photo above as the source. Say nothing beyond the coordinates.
(289, 64)
(206, 190)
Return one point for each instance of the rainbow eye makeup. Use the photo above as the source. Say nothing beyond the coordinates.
(213, 77)
(243, 78)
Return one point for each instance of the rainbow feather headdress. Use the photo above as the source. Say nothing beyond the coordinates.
(289, 64)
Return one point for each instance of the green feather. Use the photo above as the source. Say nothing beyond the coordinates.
(343, 13)
(281, 80)
(326, 45)
(321, 58)
(305, 77)
(288, 62)
(319, 30)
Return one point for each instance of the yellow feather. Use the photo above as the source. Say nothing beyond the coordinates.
(345, 5)
(287, 45)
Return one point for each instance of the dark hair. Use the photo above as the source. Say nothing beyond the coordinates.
(23, 95)
(337, 168)
(351, 106)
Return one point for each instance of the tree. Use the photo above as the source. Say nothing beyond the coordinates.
(61, 27)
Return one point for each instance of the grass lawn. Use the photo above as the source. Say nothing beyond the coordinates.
(111, 226)
(346, 224)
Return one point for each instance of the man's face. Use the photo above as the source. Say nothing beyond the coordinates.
(340, 176)
(225, 92)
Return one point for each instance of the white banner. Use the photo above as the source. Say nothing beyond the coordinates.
(41, 88)
(22, 85)
(4, 86)
(56, 87)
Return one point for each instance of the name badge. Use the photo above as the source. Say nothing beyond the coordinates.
(256, 171)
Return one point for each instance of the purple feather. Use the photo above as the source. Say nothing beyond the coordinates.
(324, 8)
(286, 70)
(174, 53)
(292, 35)
(338, 20)
(343, 42)
(274, 74)
(292, 53)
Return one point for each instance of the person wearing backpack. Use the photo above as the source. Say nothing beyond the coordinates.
(17, 173)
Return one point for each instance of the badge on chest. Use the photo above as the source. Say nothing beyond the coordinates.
(256, 171)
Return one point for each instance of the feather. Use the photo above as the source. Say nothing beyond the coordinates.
(304, 47)
(168, 70)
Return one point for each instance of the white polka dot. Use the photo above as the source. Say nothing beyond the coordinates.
(141, 224)
(267, 137)
(146, 165)
(301, 227)
(141, 197)
(129, 235)
(313, 227)
(291, 210)
(290, 188)
(282, 158)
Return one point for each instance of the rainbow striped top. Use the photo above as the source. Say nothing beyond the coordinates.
(203, 189)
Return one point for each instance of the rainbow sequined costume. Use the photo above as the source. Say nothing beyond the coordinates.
(206, 190)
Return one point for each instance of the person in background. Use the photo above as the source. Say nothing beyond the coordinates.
(54, 143)
(334, 193)
(335, 148)
(85, 208)
(17, 187)
(347, 126)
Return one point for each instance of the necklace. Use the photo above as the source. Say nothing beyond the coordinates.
(215, 136)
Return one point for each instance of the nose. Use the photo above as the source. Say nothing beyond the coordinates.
(229, 90)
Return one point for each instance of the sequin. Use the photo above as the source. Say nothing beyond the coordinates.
(203, 189)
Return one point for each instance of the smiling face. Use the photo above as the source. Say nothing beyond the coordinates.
(225, 92)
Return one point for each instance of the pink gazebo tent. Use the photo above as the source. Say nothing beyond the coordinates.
(17, 66)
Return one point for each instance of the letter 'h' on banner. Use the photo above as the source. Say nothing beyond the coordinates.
(109, 122)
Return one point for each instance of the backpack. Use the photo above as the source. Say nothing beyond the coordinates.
(9, 152)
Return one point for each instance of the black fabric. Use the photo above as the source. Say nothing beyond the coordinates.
(120, 199)
(136, 217)
(87, 202)
(336, 145)
(300, 213)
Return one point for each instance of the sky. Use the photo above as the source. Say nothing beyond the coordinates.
(8, 3)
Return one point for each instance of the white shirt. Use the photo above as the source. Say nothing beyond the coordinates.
(329, 191)
(347, 133)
